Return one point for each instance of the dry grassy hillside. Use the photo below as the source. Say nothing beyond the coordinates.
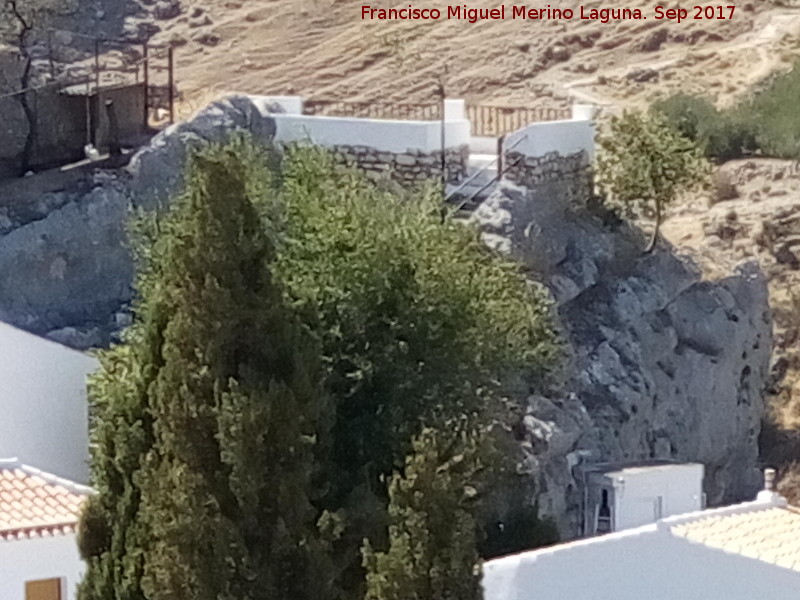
(323, 48)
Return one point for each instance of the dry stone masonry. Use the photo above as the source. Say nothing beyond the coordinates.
(409, 167)
(533, 171)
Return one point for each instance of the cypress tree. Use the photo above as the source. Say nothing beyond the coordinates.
(432, 551)
(216, 412)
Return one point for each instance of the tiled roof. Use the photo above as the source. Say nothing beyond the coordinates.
(770, 534)
(37, 504)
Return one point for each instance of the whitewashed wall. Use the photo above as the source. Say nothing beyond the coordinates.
(396, 136)
(44, 406)
(639, 564)
(563, 137)
(636, 490)
(384, 135)
(39, 558)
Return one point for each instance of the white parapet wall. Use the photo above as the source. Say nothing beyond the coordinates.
(397, 137)
(562, 137)
(292, 105)
(407, 150)
(553, 153)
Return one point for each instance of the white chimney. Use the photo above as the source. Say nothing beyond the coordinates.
(768, 495)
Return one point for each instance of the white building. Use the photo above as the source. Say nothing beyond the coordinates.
(739, 552)
(45, 412)
(39, 513)
(621, 496)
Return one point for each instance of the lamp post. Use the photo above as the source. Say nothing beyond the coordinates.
(440, 90)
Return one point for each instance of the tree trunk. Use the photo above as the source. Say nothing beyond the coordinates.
(25, 27)
(30, 139)
(654, 240)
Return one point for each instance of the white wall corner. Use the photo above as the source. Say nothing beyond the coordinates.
(455, 110)
(583, 112)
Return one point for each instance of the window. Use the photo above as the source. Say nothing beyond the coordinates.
(43, 589)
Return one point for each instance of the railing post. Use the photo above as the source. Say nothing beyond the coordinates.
(97, 65)
(171, 70)
(501, 159)
(146, 83)
(50, 54)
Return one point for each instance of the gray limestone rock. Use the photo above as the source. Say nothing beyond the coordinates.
(664, 364)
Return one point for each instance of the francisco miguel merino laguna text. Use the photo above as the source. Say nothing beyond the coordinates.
(473, 15)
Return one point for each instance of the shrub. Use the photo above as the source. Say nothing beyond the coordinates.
(721, 135)
(688, 115)
(774, 109)
(723, 187)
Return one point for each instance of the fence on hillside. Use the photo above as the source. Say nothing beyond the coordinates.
(487, 120)
(495, 121)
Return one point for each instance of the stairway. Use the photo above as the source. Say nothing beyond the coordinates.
(480, 182)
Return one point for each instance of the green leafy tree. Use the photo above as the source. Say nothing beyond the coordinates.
(419, 322)
(209, 415)
(644, 165)
(432, 552)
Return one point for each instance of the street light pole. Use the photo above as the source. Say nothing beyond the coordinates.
(440, 89)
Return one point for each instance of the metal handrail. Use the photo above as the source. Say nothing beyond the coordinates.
(472, 177)
(480, 191)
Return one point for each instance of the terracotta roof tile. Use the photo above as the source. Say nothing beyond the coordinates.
(771, 534)
(37, 504)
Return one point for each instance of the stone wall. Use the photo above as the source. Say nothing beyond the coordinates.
(61, 125)
(572, 170)
(409, 167)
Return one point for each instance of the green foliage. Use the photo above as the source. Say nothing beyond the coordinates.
(208, 416)
(222, 470)
(766, 123)
(689, 115)
(432, 537)
(644, 165)
(521, 530)
(774, 109)
(721, 135)
(419, 323)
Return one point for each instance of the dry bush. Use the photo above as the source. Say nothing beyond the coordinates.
(789, 485)
(723, 187)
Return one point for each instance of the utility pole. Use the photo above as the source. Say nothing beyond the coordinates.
(442, 92)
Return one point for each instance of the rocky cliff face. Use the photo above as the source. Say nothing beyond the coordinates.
(64, 255)
(664, 364)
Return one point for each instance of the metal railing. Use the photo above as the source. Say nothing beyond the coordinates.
(111, 62)
(374, 110)
(499, 161)
(494, 121)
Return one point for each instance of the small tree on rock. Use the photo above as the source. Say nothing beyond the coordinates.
(644, 165)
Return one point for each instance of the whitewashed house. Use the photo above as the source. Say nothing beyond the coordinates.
(45, 412)
(621, 496)
(740, 552)
(39, 514)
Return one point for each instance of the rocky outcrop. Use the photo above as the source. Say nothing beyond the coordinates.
(67, 267)
(664, 364)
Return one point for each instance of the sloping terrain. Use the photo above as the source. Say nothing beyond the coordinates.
(322, 48)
